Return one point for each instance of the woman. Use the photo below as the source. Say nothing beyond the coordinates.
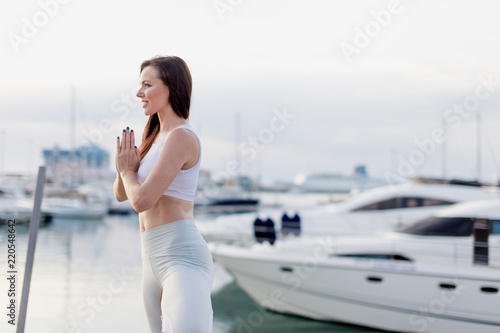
(160, 179)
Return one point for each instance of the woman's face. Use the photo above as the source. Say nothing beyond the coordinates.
(153, 92)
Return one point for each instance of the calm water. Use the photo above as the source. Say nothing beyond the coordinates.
(87, 278)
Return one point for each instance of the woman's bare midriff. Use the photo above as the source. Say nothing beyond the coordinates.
(167, 209)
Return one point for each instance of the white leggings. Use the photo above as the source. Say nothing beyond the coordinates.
(177, 279)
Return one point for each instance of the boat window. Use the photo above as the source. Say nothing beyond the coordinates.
(495, 227)
(441, 226)
(381, 205)
(403, 202)
(384, 256)
(435, 202)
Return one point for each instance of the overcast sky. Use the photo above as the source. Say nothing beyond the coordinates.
(317, 86)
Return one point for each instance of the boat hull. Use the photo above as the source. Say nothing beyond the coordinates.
(399, 297)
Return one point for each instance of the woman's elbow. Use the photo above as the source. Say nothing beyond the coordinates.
(140, 205)
(139, 209)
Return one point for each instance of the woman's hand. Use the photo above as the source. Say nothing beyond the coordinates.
(128, 155)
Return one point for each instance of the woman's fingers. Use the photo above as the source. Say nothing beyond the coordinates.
(127, 154)
(127, 139)
(132, 139)
(137, 153)
(122, 146)
(127, 142)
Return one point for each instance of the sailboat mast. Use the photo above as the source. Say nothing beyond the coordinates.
(445, 132)
(237, 139)
(478, 130)
(72, 149)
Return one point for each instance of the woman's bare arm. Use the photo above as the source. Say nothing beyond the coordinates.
(174, 154)
(119, 190)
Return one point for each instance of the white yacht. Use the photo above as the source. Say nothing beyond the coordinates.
(225, 200)
(67, 208)
(14, 204)
(375, 210)
(438, 275)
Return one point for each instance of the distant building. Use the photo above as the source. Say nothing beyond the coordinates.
(85, 163)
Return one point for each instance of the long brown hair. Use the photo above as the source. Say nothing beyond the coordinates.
(175, 74)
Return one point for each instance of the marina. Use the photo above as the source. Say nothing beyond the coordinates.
(235, 166)
(87, 276)
(329, 281)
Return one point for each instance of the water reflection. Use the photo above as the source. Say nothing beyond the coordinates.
(87, 279)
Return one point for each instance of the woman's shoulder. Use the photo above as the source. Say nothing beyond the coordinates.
(183, 138)
(183, 132)
(181, 145)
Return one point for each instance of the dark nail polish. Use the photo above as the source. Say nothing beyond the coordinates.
(124, 130)
(131, 130)
(135, 146)
(127, 127)
(117, 137)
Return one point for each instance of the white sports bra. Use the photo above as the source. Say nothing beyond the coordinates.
(184, 184)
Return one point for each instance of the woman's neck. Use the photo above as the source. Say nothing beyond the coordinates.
(169, 121)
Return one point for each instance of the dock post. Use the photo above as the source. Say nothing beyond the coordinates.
(33, 232)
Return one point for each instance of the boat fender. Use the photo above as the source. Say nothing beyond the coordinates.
(257, 228)
(290, 225)
(271, 231)
(264, 231)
